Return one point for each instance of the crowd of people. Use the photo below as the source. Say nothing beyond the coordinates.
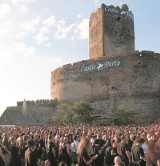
(81, 145)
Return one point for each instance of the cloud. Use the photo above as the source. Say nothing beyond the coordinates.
(73, 31)
(50, 21)
(31, 26)
(4, 9)
(96, 1)
(42, 35)
(62, 29)
(41, 38)
(83, 29)
(21, 2)
(22, 5)
(22, 49)
(79, 16)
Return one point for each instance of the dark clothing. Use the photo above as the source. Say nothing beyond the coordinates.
(84, 155)
(15, 159)
(6, 143)
(137, 153)
(51, 156)
(2, 163)
(109, 158)
(99, 160)
(23, 149)
(121, 149)
(66, 157)
(129, 144)
(99, 151)
(30, 158)
(99, 142)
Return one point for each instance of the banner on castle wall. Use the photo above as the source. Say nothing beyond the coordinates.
(100, 65)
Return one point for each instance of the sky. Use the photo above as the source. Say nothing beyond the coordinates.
(38, 36)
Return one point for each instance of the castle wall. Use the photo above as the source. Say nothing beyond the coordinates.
(130, 81)
(41, 112)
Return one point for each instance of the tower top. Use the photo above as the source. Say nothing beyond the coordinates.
(111, 31)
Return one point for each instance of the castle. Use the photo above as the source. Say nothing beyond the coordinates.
(115, 76)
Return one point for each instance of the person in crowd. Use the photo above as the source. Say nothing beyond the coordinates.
(15, 159)
(108, 157)
(66, 151)
(153, 152)
(74, 147)
(123, 151)
(137, 153)
(117, 161)
(114, 152)
(2, 163)
(63, 163)
(31, 158)
(51, 155)
(6, 147)
(23, 147)
(84, 148)
(47, 163)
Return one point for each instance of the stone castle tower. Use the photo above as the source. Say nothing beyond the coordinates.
(111, 31)
(115, 77)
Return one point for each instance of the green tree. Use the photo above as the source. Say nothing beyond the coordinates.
(62, 114)
(82, 112)
(125, 116)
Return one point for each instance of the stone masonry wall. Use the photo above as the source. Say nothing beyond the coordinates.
(130, 81)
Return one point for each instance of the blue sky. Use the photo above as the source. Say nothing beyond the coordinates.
(37, 36)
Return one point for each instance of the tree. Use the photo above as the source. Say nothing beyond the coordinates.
(82, 112)
(62, 114)
(125, 116)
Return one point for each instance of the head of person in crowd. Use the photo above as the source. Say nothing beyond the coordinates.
(117, 161)
(63, 163)
(85, 144)
(51, 139)
(25, 138)
(13, 140)
(65, 140)
(84, 134)
(36, 137)
(139, 141)
(47, 163)
(123, 138)
(133, 137)
(19, 141)
(89, 135)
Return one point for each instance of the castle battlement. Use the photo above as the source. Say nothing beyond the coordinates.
(92, 64)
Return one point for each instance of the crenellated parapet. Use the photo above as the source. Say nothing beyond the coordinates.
(100, 64)
(121, 12)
